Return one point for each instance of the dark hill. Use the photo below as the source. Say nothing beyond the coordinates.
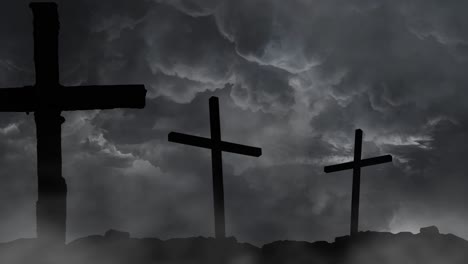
(427, 247)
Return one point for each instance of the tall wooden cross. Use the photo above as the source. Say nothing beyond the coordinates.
(217, 146)
(47, 98)
(356, 166)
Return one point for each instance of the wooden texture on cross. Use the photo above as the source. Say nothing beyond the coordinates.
(356, 166)
(217, 146)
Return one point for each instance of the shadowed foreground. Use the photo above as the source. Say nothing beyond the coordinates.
(427, 247)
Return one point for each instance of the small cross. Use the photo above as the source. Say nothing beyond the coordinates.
(356, 166)
(217, 146)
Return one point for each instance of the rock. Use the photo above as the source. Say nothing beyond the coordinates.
(430, 230)
(367, 247)
(342, 239)
(116, 235)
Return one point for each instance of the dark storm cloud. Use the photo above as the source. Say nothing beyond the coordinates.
(294, 78)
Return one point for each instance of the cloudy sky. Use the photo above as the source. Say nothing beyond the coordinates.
(295, 79)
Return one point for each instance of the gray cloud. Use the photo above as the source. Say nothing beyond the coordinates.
(295, 79)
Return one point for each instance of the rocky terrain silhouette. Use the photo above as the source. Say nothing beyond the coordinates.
(427, 247)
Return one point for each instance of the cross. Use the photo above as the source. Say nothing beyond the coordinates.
(356, 166)
(47, 98)
(217, 146)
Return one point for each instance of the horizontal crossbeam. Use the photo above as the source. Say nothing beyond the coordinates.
(17, 99)
(208, 144)
(102, 97)
(362, 163)
(28, 99)
(190, 140)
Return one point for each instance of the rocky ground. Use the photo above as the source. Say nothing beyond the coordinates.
(427, 247)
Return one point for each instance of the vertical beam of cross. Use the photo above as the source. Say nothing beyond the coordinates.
(217, 168)
(52, 189)
(356, 166)
(356, 182)
(217, 146)
(46, 28)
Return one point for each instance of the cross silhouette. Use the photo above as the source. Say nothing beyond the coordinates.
(356, 166)
(217, 146)
(47, 98)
